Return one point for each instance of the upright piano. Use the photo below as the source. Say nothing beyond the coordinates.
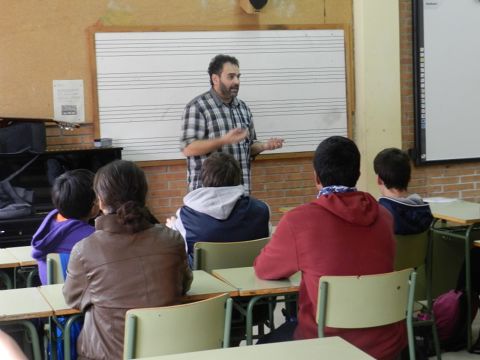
(39, 177)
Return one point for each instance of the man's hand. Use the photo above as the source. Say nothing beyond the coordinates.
(205, 146)
(272, 144)
(234, 136)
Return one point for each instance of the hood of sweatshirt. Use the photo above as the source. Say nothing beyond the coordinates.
(356, 207)
(217, 202)
(52, 233)
(412, 199)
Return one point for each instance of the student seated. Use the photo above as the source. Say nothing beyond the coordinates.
(221, 210)
(126, 263)
(74, 201)
(410, 214)
(343, 232)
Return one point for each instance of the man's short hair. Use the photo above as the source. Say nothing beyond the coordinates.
(392, 166)
(337, 162)
(216, 64)
(73, 195)
(220, 169)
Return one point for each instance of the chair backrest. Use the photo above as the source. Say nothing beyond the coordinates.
(378, 300)
(196, 326)
(411, 250)
(224, 255)
(56, 267)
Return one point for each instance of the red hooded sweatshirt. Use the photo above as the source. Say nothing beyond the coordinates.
(337, 234)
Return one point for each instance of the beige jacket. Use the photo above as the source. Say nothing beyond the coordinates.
(112, 271)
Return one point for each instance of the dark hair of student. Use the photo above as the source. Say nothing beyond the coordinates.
(220, 169)
(337, 162)
(392, 165)
(216, 64)
(73, 195)
(122, 187)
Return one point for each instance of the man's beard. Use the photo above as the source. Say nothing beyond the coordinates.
(229, 92)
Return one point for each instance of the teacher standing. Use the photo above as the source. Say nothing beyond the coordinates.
(218, 121)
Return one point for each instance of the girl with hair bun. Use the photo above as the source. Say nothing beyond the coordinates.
(128, 262)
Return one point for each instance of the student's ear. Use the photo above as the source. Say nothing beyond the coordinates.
(94, 211)
(318, 184)
(380, 181)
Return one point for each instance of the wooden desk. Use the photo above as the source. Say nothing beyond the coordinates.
(465, 216)
(331, 348)
(459, 212)
(285, 209)
(21, 304)
(25, 263)
(7, 261)
(54, 296)
(248, 284)
(23, 254)
(205, 285)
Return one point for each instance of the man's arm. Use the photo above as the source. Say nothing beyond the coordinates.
(271, 144)
(278, 259)
(206, 146)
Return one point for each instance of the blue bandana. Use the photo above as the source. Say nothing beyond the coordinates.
(327, 190)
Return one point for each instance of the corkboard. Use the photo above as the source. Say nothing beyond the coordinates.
(45, 40)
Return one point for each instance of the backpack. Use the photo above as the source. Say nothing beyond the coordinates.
(450, 311)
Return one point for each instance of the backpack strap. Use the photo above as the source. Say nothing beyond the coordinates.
(11, 176)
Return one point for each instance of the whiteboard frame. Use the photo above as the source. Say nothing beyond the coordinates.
(421, 153)
(288, 155)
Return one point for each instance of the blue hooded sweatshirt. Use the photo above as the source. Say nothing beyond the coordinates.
(56, 237)
(221, 214)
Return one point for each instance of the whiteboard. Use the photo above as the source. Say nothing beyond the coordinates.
(294, 82)
(447, 79)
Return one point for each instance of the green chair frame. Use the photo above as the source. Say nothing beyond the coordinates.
(196, 326)
(413, 251)
(380, 299)
(208, 256)
(55, 276)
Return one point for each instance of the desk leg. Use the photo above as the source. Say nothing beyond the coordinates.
(428, 290)
(468, 285)
(6, 279)
(66, 335)
(249, 325)
(33, 334)
(468, 281)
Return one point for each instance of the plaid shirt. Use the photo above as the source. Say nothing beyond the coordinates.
(207, 117)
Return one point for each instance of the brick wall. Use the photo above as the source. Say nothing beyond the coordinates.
(459, 180)
(289, 182)
(279, 182)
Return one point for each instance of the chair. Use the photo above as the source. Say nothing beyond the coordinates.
(196, 326)
(56, 267)
(225, 255)
(379, 300)
(414, 251)
(208, 256)
(57, 264)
